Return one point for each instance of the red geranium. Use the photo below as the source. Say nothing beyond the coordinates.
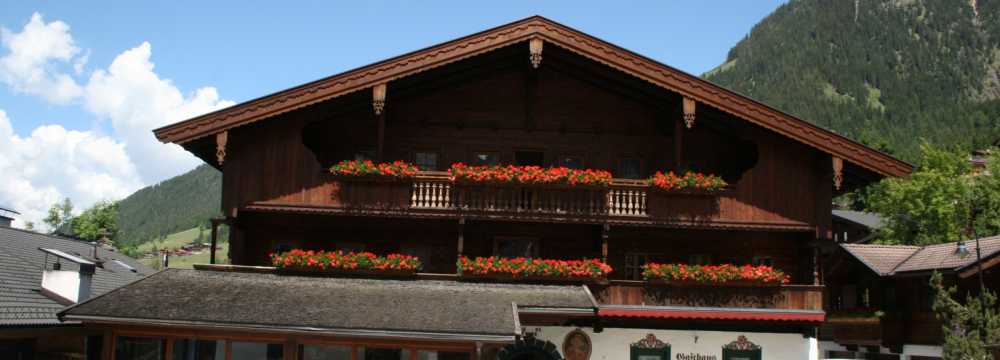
(356, 168)
(714, 274)
(524, 267)
(511, 174)
(339, 260)
(688, 181)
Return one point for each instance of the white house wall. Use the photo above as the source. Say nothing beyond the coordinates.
(613, 343)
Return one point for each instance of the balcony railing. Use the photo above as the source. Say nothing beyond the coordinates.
(623, 198)
(787, 297)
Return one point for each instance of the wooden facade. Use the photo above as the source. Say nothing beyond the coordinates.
(535, 92)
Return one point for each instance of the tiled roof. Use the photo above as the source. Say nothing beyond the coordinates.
(234, 299)
(943, 256)
(893, 259)
(21, 301)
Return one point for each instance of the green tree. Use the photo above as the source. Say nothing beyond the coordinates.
(967, 327)
(29, 225)
(927, 206)
(97, 221)
(60, 214)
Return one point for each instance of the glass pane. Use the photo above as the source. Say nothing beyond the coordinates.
(441, 355)
(324, 352)
(383, 354)
(485, 159)
(426, 160)
(256, 351)
(529, 158)
(629, 168)
(190, 349)
(136, 348)
(572, 162)
(650, 357)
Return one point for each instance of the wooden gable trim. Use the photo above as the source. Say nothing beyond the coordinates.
(687, 85)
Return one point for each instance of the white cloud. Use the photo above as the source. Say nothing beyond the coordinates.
(34, 55)
(52, 163)
(136, 100)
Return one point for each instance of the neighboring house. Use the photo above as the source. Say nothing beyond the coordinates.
(880, 298)
(33, 289)
(857, 227)
(530, 93)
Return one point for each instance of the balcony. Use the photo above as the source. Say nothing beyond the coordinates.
(641, 293)
(433, 193)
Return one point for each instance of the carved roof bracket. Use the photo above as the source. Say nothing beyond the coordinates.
(221, 138)
(535, 47)
(378, 98)
(838, 172)
(689, 106)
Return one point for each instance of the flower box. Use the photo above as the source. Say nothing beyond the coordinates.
(529, 175)
(341, 263)
(366, 170)
(525, 269)
(690, 183)
(713, 275)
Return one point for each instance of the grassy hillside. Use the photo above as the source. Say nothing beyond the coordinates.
(180, 203)
(176, 241)
(886, 72)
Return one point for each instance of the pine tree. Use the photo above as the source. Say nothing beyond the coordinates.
(967, 327)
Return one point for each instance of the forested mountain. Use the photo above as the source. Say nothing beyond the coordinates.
(180, 203)
(885, 72)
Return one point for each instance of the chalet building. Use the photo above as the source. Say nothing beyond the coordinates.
(526, 192)
(880, 299)
(42, 274)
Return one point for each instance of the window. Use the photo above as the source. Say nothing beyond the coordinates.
(485, 158)
(425, 160)
(324, 352)
(572, 162)
(763, 261)
(649, 348)
(441, 355)
(629, 168)
(633, 265)
(512, 247)
(383, 354)
(364, 155)
(190, 349)
(699, 259)
(256, 351)
(140, 348)
(529, 158)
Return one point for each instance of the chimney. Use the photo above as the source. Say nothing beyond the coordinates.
(7, 217)
(67, 286)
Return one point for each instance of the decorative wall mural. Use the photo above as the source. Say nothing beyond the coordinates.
(741, 343)
(649, 348)
(576, 345)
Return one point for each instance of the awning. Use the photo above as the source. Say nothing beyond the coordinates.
(710, 313)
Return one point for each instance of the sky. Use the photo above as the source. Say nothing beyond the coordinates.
(82, 84)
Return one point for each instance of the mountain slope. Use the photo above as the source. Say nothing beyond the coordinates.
(886, 72)
(180, 203)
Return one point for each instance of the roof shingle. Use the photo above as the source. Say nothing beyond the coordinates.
(892, 259)
(21, 302)
(318, 303)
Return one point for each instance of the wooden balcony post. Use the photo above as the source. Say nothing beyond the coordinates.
(678, 145)
(604, 242)
(461, 236)
(215, 234)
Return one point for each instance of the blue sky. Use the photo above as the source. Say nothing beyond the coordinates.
(247, 49)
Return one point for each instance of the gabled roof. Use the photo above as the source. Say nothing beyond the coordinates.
(551, 33)
(21, 301)
(445, 309)
(887, 260)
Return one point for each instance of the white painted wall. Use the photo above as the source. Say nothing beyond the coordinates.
(65, 285)
(613, 343)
